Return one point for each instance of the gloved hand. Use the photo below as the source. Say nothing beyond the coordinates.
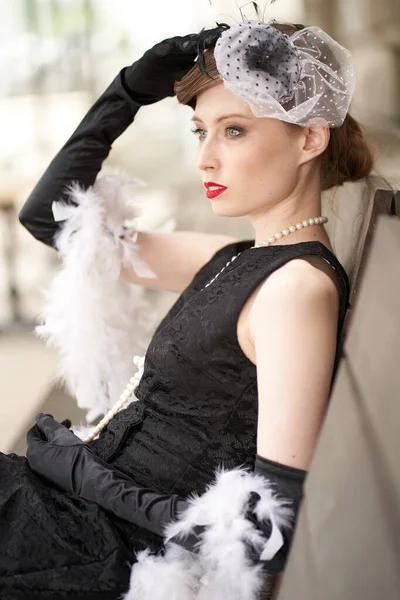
(59, 456)
(152, 77)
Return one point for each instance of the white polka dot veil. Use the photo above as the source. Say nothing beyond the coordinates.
(306, 79)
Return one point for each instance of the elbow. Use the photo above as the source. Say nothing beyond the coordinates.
(24, 217)
(39, 229)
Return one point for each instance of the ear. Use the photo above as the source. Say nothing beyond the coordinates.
(314, 142)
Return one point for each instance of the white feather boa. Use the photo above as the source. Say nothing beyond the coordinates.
(221, 570)
(96, 321)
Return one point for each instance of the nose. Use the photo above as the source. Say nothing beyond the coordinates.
(207, 158)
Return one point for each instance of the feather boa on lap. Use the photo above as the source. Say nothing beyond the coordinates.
(221, 569)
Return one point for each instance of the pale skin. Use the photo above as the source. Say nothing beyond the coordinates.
(288, 326)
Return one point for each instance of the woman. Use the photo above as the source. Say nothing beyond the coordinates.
(239, 371)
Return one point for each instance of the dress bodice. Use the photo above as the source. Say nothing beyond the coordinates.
(198, 406)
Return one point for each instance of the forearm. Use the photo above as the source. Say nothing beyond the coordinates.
(237, 499)
(80, 159)
(120, 495)
(150, 510)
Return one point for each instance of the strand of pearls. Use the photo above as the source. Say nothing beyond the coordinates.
(272, 239)
(123, 400)
(139, 360)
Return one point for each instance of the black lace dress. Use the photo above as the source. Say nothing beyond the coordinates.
(197, 410)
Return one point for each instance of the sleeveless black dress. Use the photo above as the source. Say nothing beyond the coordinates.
(197, 410)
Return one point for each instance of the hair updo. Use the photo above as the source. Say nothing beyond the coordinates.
(348, 156)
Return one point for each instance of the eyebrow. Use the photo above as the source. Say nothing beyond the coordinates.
(196, 118)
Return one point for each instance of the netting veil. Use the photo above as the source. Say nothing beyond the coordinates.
(306, 79)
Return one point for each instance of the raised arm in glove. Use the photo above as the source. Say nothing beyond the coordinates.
(146, 81)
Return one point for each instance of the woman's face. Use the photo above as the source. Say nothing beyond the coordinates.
(255, 159)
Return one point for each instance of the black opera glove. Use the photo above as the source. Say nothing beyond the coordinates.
(149, 79)
(62, 458)
(152, 77)
(288, 482)
(59, 456)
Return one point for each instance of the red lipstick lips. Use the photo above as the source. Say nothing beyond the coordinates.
(214, 189)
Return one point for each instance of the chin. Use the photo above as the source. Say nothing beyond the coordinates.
(222, 210)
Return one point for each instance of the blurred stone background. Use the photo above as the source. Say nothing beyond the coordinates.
(56, 57)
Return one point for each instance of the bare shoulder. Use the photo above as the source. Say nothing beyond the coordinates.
(299, 285)
(302, 275)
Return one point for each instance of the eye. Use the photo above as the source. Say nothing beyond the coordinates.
(234, 131)
(201, 133)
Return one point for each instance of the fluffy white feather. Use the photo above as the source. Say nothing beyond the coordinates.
(221, 569)
(94, 320)
(83, 431)
(175, 576)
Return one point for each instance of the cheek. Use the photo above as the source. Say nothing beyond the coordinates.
(260, 164)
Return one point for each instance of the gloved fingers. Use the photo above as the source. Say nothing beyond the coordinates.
(34, 435)
(253, 500)
(67, 423)
(177, 45)
(264, 526)
(35, 446)
(48, 425)
(191, 44)
(208, 37)
(56, 432)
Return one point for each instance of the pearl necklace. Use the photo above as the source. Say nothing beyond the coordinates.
(139, 360)
(123, 400)
(273, 238)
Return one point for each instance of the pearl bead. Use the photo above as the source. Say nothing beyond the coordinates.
(292, 229)
(305, 223)
(271, 240)
(136, 360)
(299, 225)
(285, 231)
(311, 221)
(278, 235)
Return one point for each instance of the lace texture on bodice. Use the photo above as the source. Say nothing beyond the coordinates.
(198, 406)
